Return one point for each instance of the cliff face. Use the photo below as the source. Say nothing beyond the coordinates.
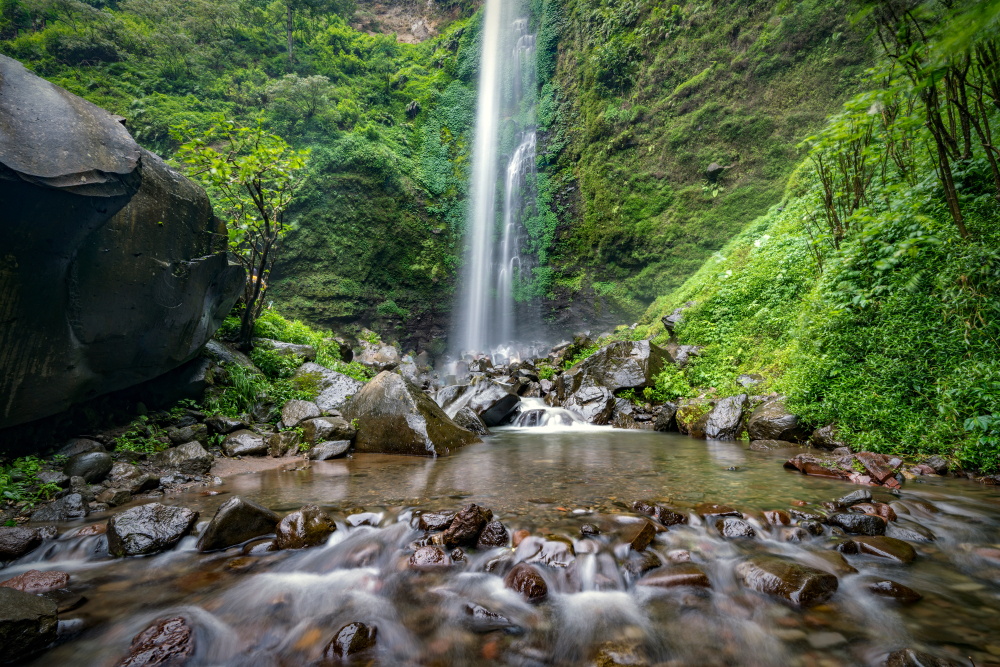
(114, 268)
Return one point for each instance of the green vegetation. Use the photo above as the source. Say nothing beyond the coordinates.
(142, 436)
(670, 385)
(19, 482)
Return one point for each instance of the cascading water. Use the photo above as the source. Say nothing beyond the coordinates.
(506, 113)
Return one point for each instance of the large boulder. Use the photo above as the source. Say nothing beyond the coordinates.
(237, 521)
(92, 466)
(469, 420)
(293, 412)
(492, 401)
(334, 388)
(116, 269)
(190, 459)
(331, 449)
(620, 365)
(726, 418)
(394, 416)
(148, 529)
(801, 585)
(27, 624)
(773, 421)
(244, 443)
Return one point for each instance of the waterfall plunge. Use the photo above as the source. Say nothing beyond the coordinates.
(485, 317)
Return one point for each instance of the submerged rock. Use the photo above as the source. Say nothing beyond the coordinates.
(397, 417)
(894, 591)
(334, 388)
(350, 639)
(663, 514)
(769, 445)
(148, 529)
(800, 585)
(16, 541)
(885, 547)
(168, 642)
(527, 581)
(466, 526)
(639, 563)
(27, 624)
(307, 527)
(430, 558)
(712, 509)
(35, 581)
(189, 459)
(235, 522)
(676, 574)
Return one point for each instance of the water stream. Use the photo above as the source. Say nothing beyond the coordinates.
(282, 608)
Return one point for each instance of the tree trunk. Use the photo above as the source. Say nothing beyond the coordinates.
(288, 30)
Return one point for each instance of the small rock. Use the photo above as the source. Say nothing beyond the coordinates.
(897, 592)
(27, 624)
(92, 529)
(224, 425)
(732, 528)
(855, 497)
(435, 521)
(638, 535)
(191, 433)
(35, 581)
(469, 420)
(938, 463)
(800, 585)
(711, 509)
(666, 418)
(189, 459)
(910, 531)
(885, 547)
(677, 574)
(92, 466)
(129, 476)
(778, 517)
(282, 444)
(259, 548)
(235, 522)
(167, 642)
(430, 558)
(826, 438)
(834, 562)
(350, 639)
(294, 412)
(519, 536)
(481, 619)
(114, 497)
(148, 529)
(493, 535)
(68, 507)
(589, 530)
(527, 581)
(639, 563)
(53, 477)
(858, 524)
(466, 526)
(665, 515)
(244, 443)
(773, 421)
(16, 541)
(307, 527)
(330, 449)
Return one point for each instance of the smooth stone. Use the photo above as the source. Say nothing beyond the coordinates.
(552, 553)
(259, 548)
(712, 509)
(772, 421)
(79, 446)
(27, 624)
(800, 585)
(678, 573)
(350, 639)
(188, 459)
(430, 557)
(221, 425)
(168, 642)
(895, 591)
(824, 640)
(466, 526)
(526, 580)
(93, 466)
(236, 521)
(307, 527)
(909, 531)
(639, 563)
(53, 477)
(589, 530)
(114, 497)
(638, 534)
(858, 524)
(330, 449)
(726, 419)
(732, 528)
(16, 541)
(885, 547)
(148, 529)
(190, 433)
(35, 581)
(855, 497)
(482, 620)
(435, 521)
(834, 562)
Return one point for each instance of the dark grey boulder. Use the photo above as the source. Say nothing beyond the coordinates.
(858, 524)
(334, 388)
(185, 434)
(244, 443)
(826, 438)
(773, 421)
(492, 401)
(72, 506)
(16, 541)
(395, 416)
(27, 624)
(468, 419)
(329, 450)
(168, 642)
(666, 418)
(685, 353)
(322, 429)
(237, 521)
(802, 586)
(293, 412)
(592, 403)
(122, 272)
(79, 446)
(620, 365)
(855, 498)
(53, 477)
(305, 352)
(189, 459)
(92, 466)
(224, 425)
(725, 420)
(148, 529)
(131, 477)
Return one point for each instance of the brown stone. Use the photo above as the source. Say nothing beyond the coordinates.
(350, 639)
(676, 574)
(885, 547)
(430, 558)
(800, 585)
(167, 643)
(34, 581)
(638, 535)
(92, 529)
(665, 515)
(894, 591)
(910, 658)
(435, 521)
(493, 535)
(466, 526)
(712, 509)
(16, 541)
(518, 536)
(778, 517)
(308, 527)
(527, 581)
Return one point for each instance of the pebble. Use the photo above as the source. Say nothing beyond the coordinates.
(821, 640)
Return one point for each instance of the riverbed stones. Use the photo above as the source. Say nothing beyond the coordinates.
(168, 642)
(188, 459)
(676, 574)
(351, 639)
(148, 529)
(72, 506)
(726, 418)
(114, 497)
(858, 524)
(395, 416)
(880, 467)
(885, 547)
(878, 509)
(16, 541)
(334, 388)
(772, 421)
(27, 624)
(235, 522)
(494, 534)
(92, 466)
(527, 580)
(939, 464)
(639, 563)
(307, 527)
(826, 437)
(731, 527)
(665, 515)
(322, 429)
(429, 558)
(36, 581)
(244, 443)
(894, 591)
(909, 531)
(638, 534)
(833, 562)
(855, 498)
(911, 658)
(466, 526)
(469, 420)
(802, 586)
(330, 449)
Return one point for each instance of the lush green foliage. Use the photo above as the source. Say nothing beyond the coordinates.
(669, 385)
(19, 482)
(142, 436)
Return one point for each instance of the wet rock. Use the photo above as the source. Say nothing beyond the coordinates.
(589, 530)
(812, 527)
(773, 421)
(826, 438)
(334, 388)
(794, 534)
(880, 467)
(519, 536)
(304, 352)
(726, 418)
(466, 526)
(885, 547)
(909, 531)
(878, 509)
(194, 432)
(27, 624)
(435, 521)
(690, 411)
(307, 527)
(244, 443)
(80, 485)
(551, 552)
(168, 642)
(397, 417)
(685, 353)
(329, 450)
(732, 528)
(220, 424)
(322, 429)
(526, 580)
(808, 464)
(778, 517)
(855, 497)
(676, 574)
(92, 466)
(430, 558)
(638, 534)
(858, 524)
(622, 415)
(72, 506)
(132, 477)
(259, 548)
(666, 418)
(16, 541)
(494, 534)
(639, 563)
(712, 509)
(833, 562)
(188, 459)
(665, 515)
(939, 464)
(114, 497)
(282, 443)
(235, 522)
(481, 619)
(350, 639)
(148, 529)
(800, 585)
(469, 420)
(894, 591)
(365, 519)
(492, 401)
(910, 658)
(770, 445)
(294, 412)
(79, 446)
(34, 581)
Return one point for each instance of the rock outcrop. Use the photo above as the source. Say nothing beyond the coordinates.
(334, 388)
(115, 268)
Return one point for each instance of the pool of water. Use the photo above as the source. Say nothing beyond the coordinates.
(283, 608)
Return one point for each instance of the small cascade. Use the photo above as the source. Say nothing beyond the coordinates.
(535, 413)
(521, 164)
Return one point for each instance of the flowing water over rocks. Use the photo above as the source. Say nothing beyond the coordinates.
(619, 559)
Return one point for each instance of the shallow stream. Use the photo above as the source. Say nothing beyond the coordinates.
(283, 608)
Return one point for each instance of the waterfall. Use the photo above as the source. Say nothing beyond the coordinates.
(495, 262)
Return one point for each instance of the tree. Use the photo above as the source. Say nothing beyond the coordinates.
(252, 177)
(305, 95)
(344, 8)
